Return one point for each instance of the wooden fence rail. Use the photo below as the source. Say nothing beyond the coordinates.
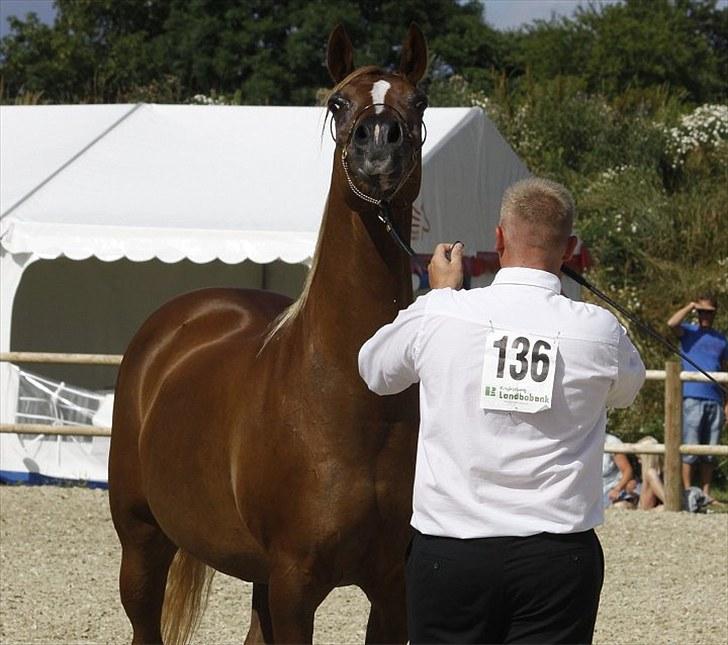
(659, 375)
(41, 428)
(672, 448)
(115, 359)
(659, 449)
(47, 357)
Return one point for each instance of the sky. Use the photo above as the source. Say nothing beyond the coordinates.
(502, 14)
(510, 14)
(44, 9)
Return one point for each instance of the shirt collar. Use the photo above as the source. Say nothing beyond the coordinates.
(526, 276)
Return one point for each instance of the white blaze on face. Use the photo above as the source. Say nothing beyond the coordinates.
(379, 91)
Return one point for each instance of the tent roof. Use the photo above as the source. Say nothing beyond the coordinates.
(218, 182)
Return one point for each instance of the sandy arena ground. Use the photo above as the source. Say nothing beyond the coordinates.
(666, 578)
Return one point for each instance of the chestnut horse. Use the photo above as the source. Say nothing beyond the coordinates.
(243, 437)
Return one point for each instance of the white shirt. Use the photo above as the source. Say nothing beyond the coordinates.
(486, 473)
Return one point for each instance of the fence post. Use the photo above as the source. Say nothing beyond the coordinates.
(673, 437)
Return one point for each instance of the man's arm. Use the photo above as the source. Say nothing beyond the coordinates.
(630, 373)
(387, 359)
(673, 322)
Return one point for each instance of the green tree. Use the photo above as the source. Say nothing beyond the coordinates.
(636, 43)
(94, 49)
(268, 51)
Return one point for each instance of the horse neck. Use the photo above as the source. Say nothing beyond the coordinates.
(360, 277)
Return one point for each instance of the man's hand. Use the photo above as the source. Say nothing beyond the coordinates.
(446, 271)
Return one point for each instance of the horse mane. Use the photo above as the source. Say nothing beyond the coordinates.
(292, 311)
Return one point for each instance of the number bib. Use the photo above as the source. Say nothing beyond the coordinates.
(518, 371)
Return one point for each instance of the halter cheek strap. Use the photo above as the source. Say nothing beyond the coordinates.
(383, 214)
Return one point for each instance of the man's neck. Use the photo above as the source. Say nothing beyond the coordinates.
(531, 263)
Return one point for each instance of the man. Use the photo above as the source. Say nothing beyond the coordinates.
(703, 403)
(514, 381)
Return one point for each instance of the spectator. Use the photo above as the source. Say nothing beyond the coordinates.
(651, 489)
(618, 481)
(705, 407)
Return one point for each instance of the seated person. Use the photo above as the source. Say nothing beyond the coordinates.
(618, 481)
(651, 489)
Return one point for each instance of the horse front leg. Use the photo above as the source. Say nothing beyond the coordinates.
(294, 594)
(388, 614)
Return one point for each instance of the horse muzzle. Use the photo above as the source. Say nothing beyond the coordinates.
(381, 149)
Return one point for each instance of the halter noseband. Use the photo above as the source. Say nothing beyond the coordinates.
(383, 205)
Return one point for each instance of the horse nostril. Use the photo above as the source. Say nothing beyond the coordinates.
(360, 134)
(395, 133)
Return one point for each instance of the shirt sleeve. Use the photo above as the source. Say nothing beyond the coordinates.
(630, 373)
(387, 359)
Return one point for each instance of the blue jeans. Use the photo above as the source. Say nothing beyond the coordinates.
(702, 423)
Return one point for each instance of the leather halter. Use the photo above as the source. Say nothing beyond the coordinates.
(383, 205)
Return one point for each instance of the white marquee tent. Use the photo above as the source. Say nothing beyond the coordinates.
(95, 192)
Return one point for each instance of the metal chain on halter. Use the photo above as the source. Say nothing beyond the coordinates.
(354, 189)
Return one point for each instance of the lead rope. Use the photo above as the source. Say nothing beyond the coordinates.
(577, 277)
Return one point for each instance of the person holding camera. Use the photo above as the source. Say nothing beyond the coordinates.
(704, 406)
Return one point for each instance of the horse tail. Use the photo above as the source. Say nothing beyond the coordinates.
(185, 599)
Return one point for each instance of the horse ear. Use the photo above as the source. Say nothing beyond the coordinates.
(413, 63)
(339, 54)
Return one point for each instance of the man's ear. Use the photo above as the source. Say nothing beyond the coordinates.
(339, 54)
(500, 242)
(570, 246)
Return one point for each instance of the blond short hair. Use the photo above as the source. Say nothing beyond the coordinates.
(649, 460)
(544, 206)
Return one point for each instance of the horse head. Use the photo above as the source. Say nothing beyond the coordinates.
(377, 119)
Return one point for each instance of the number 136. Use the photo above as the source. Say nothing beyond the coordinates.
(538, 365)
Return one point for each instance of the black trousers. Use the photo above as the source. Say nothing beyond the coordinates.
(538, 589)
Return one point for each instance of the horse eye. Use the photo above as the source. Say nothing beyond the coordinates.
(336, 103)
